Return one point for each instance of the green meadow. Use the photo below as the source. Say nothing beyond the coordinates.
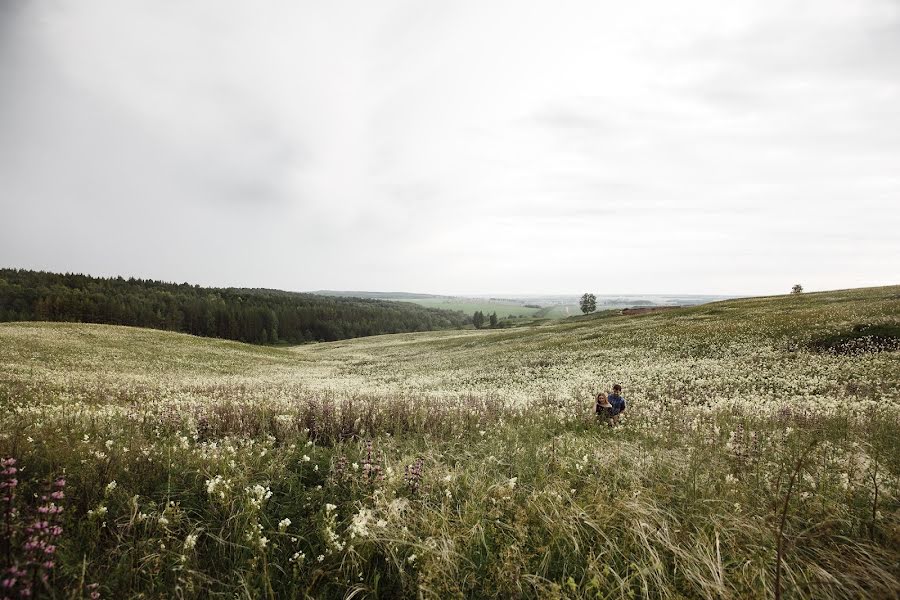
(759, 457)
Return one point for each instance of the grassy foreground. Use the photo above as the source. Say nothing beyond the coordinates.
(760, 456)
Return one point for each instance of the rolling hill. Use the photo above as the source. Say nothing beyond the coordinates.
(760, 435)
(249, 315)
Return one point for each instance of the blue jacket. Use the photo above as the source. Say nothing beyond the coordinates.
(618, 404)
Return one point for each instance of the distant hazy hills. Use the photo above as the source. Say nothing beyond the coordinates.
(534, 306)
(381, 295)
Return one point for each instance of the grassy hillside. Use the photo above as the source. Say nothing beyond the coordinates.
(259, 316)
(760, 451)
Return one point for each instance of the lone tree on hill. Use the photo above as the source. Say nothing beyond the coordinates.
(588, 303)
(797, 289)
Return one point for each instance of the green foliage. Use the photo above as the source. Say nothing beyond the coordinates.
(249, 315)
(588, 303)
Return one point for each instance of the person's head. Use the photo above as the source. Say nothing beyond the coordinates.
(617, 389)
(601, 399)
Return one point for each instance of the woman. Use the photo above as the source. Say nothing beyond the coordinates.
(603, 409)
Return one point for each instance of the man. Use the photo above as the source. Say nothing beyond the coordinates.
(617, 402)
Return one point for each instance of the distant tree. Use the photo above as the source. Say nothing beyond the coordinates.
(588, 303)
(797, 289)
(478, 319)
(494, 319)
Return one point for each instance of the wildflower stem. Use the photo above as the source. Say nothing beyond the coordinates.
(779, 555)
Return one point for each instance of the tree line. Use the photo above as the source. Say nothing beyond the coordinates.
(256, 316)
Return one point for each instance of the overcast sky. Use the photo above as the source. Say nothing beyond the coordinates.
(454, 147)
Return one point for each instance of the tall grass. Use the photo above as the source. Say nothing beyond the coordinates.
(510, 502)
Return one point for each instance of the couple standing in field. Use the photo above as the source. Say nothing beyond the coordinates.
(609, 407)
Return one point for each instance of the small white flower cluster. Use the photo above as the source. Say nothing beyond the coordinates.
(332, 539)
(190, 541)
(218, 486)
(258, 494)
(359, 525)
(255, 536)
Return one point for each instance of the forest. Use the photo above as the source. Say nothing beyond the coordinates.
(258, 316)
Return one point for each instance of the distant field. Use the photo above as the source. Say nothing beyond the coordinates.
(551, 307)
(470, 306)
(560, 311)
(761, 435)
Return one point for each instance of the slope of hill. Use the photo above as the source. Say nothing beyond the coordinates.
(248, 315)
(761, 436)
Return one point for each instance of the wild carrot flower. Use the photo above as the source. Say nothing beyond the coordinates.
(359, 526)
(190, 541)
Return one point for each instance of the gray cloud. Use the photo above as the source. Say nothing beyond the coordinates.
(507, 147)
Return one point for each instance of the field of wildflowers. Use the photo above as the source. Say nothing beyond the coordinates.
(759, 457)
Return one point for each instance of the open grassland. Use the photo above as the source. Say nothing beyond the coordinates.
(760, 455)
